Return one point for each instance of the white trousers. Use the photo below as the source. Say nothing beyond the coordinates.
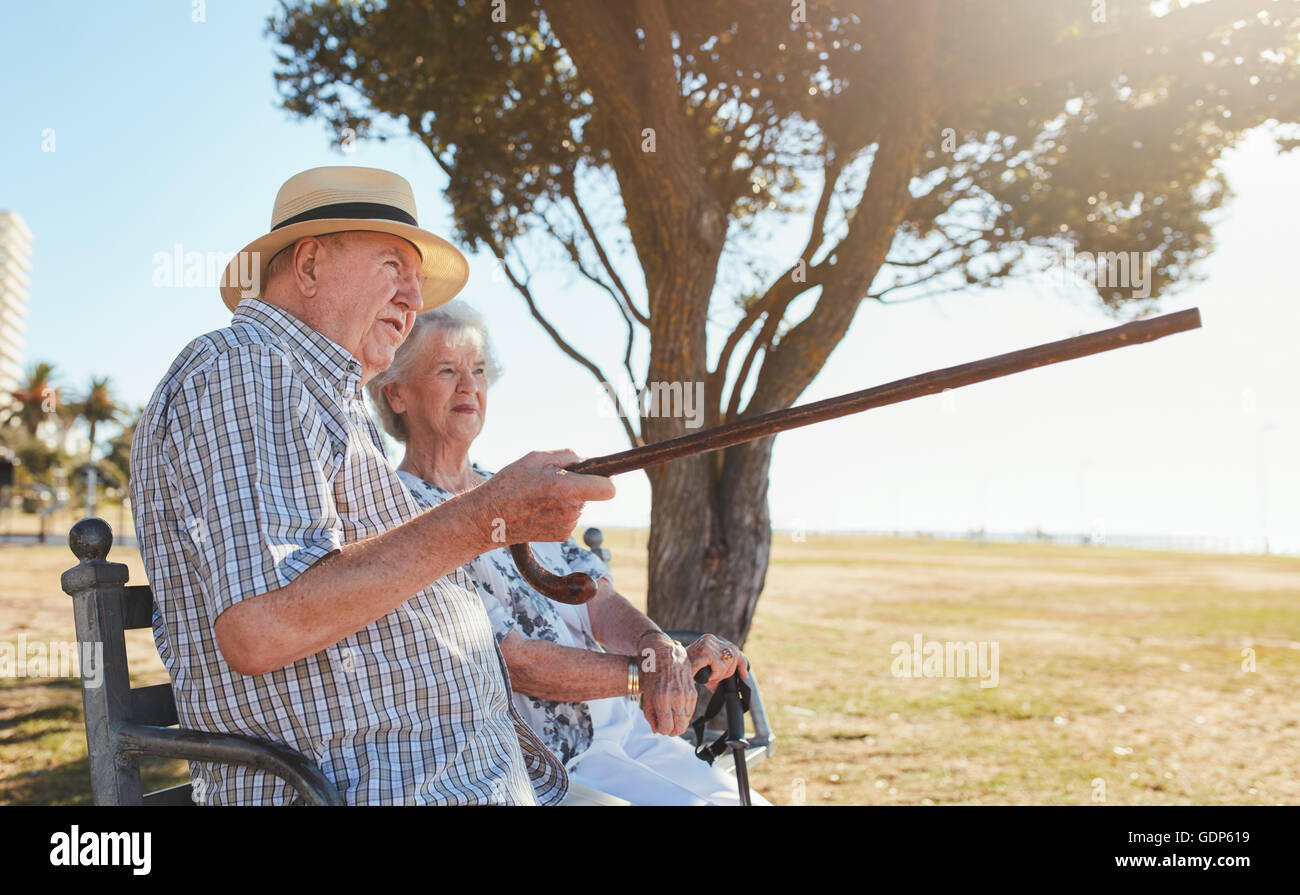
(646, 768)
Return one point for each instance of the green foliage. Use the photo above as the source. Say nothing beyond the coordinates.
(39, 400)
(496, 104)
(95, 407)
(36, 400)
(1049, 129)
(1113, 158)
(35, 460)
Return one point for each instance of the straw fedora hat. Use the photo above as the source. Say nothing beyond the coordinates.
(338, 198)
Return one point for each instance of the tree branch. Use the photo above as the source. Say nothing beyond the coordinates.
(571, 193)
(817, 233)
(571, 246)
(763, 340)
(522, 288)
(791, 366)
(816, 236)
(915, 282)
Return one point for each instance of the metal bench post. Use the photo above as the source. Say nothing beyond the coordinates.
(95, 587)
(593, 538)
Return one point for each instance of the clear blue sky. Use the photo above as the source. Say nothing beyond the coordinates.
(167, 132)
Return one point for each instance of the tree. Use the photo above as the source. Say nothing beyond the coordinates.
(36, 460)
(36, 400)
(924, 145)
(97, 406)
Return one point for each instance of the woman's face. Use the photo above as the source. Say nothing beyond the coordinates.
(445, 395)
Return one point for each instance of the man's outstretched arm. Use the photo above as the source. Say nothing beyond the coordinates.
(253, 461)
(534, 499)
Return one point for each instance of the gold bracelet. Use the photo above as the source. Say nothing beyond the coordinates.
(633, 680)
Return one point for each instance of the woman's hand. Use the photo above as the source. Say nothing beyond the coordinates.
(721, 656)
(668, 692)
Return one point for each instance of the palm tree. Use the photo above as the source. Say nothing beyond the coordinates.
(33, 402)
(96, 407)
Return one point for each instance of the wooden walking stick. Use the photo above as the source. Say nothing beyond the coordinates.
(579, 588)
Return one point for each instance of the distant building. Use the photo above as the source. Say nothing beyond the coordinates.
(15, 255)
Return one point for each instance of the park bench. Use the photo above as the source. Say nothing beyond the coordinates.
(125, 723)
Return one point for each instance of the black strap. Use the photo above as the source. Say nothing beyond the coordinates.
(717, 705)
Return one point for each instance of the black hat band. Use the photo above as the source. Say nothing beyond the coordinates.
(357, 210)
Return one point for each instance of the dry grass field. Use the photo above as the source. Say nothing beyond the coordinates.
(1124, 677)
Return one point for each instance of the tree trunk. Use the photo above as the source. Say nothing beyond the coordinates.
(711, 529)
(710, 545)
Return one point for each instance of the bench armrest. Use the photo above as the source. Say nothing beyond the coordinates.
(229, 748)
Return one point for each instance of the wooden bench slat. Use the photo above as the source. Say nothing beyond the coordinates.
(153, 705)
(137, 607)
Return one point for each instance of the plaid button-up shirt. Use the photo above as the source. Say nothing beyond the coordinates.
(255, 459)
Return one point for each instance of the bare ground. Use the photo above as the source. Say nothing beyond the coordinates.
(1124, 677)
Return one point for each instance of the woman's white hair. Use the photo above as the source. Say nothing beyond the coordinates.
(459, 322)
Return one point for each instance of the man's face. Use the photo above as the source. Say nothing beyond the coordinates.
(369, 295)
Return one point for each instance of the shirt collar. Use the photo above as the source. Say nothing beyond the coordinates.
(331, 358)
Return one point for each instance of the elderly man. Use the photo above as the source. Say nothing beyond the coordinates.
(297, 597)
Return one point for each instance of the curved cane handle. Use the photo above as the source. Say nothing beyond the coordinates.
(575, 588)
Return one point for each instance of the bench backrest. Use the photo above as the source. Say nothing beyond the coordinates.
(105, 608)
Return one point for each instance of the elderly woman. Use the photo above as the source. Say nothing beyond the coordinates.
(573, 667)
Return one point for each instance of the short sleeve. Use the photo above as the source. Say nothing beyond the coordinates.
(495, 594)
(254, 464)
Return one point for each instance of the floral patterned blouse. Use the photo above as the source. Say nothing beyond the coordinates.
(513, 604)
